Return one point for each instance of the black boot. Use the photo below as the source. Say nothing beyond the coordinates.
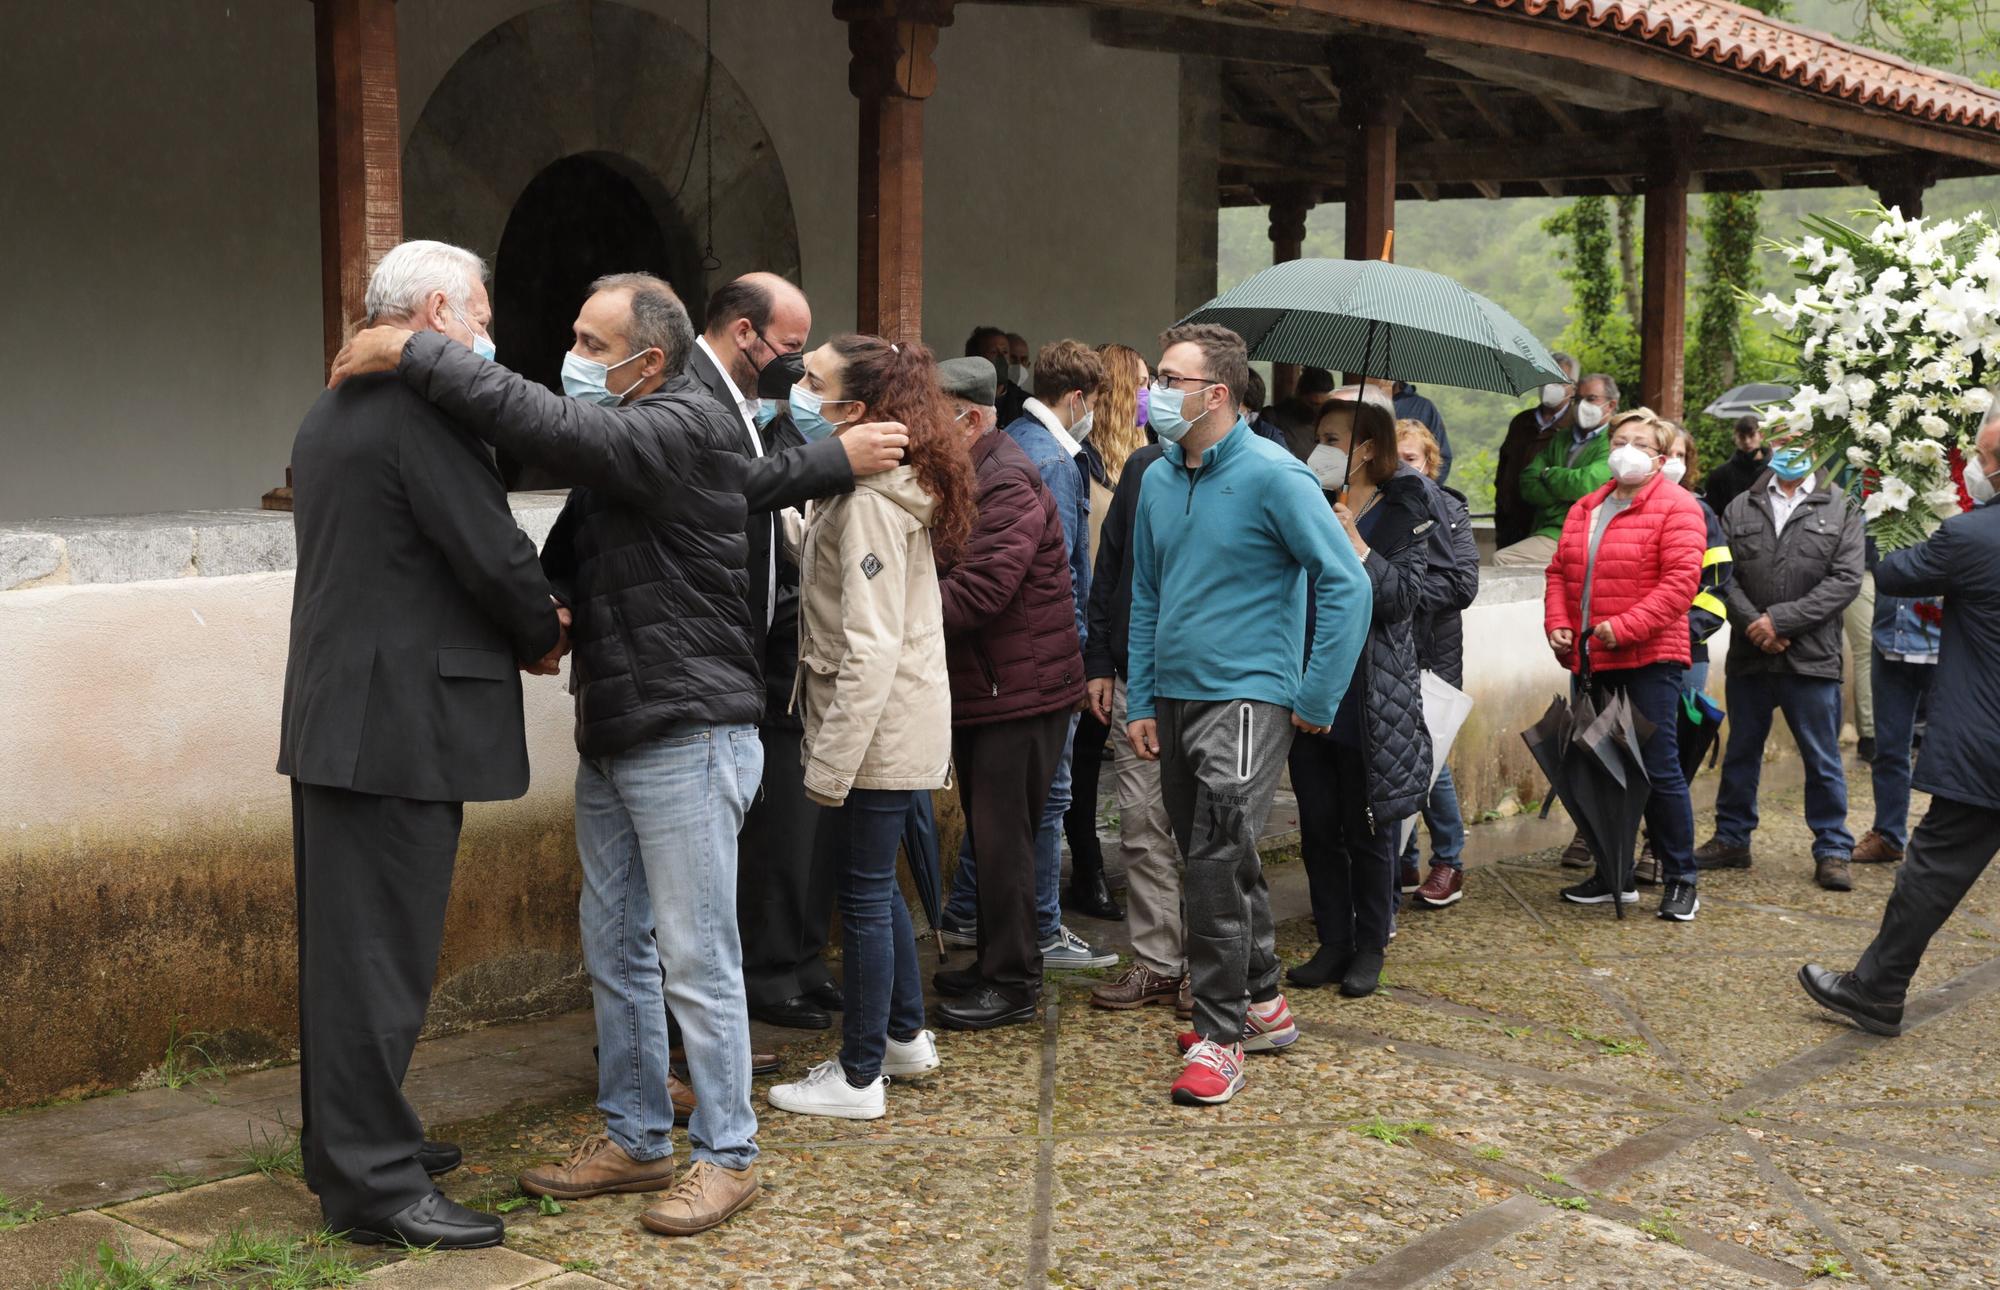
(1327, 965)
(1088, 894)
(1364, 974)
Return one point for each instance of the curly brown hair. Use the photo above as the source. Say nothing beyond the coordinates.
(899, 383)
(1116, 430)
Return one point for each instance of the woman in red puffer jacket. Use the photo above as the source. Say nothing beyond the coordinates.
(1624, 572)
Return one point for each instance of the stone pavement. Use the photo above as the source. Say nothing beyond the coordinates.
(1542, 1095)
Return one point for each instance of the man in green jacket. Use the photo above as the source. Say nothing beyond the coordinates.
(1572, 466)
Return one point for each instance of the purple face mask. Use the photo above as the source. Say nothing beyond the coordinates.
(1145, 402)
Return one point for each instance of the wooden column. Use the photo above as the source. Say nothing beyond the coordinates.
(1289, 205)
(1371, 107)
(1663, 311)
(892, 71)
(1901, 180)
(1197, 182)
(360, 165)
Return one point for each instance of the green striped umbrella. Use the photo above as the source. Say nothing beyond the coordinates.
(1375, 318)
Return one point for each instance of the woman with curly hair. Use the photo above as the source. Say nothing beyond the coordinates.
(875, 698)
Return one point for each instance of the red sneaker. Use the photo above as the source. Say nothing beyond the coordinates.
(1267, 1028)
(1212, 1075)
(1444, 886)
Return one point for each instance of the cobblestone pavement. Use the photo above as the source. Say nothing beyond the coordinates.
(1542, 1095)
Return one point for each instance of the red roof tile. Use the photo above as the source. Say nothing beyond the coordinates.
(1730, 35)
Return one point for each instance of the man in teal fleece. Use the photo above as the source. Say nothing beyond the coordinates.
(1232, 534)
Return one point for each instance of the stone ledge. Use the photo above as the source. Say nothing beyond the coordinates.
(185, 544)
(1505, 586)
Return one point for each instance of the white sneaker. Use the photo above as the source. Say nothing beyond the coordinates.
(825, 1091)
(1069, 951)
(918, 1057)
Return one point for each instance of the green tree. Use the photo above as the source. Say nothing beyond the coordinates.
(1600, 331)
(1962, 34)
(1716, 356)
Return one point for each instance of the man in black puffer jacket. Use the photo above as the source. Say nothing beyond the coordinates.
(650, 555)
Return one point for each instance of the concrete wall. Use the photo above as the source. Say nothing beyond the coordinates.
(159, 229)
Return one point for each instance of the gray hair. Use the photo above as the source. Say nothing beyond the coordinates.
(1610, 386)
(411, 271)
(1369, 393)
(659, 319)
(1567, 362)
(1992, 417)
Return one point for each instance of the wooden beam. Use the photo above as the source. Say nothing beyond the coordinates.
(1663, 312)
(360, 154)
(1370, 77)
(1900, 182)
(1567, 123)
(1496, 121)
(1420, 110)
(891, 70)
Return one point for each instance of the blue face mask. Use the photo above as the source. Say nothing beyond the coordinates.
(767, 412)
(480, 345)
(808, 416)
(1164, 412)
(1790, 464)
(584, 379)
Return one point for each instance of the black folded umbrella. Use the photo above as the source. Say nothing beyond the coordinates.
(920, 849)
(1698, 729)
(1591, 755)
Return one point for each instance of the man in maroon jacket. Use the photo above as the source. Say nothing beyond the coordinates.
(1016, 674)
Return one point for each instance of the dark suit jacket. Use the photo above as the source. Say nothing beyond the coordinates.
(790, 473)
(416, 595)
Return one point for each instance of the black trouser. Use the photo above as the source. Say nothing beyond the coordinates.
(1350, 868)
(1004, 773)
(373, 876)
(784, 894)
(1080, 824)
(1948, 851)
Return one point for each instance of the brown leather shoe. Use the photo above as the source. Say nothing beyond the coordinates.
(682, 1097)
(1646, 869)
(1832, 873)
(760, 1064)
(1876, 849)
(1184, 998)
(599, 1167)
(1442, 887)
(707, 1195)
(1577, 854)
(1138, 987)
(1717, 854)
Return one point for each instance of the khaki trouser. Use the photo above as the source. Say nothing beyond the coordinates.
(1859, 621)
(1533, 552)
(1146, 845)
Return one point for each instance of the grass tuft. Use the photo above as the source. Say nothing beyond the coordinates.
(1830, 1266)
(1490, 1153)
(274, 1154)
(17, 1213)
(186, 1061)
(1395, 1133)
(1661, 1230)
(1580, 1204)
(242, 1256)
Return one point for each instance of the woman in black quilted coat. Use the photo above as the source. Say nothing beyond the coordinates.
(1356, 783)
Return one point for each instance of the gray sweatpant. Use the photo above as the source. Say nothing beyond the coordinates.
(1219, 769)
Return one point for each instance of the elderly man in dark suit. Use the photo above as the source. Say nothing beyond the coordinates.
(1960, 763)
(417, 600)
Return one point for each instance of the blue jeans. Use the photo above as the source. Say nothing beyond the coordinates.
(1655, 692)
(656, 830)
(1900, 689)
(962, 910)
(882, 986)
(1447, 825)
(1811, 705)
(1697, 676)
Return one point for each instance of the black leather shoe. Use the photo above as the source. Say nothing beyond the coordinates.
(760, 1064)
(827, 995)
(985, 1009)
(1327, 965)
(795, 1014)
(439, 1157)
(434, 1221)
(953, 982)
(1840, 992)
(1088, 895)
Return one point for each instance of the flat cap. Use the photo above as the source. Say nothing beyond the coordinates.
(971, 379)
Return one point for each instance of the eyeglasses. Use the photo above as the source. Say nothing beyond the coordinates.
(1165, 383)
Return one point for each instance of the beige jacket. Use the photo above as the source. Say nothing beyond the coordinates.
(871, 686)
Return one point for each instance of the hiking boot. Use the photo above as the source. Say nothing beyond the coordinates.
(1577, 855)
(707, 1195)
(1680, 903)
(599, 1167)
(1267, 1028)
(1184, 998)
(1444, 886)
(1068, 952)
(1212, 1075)
(1646, 869)
(1876, 849)
(1717, 854)
(1138, 987)
(1832, 873)
(1595, 891)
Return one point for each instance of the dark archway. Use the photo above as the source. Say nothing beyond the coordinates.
(581, 217)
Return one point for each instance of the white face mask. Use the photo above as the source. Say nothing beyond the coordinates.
(1329, 466)
(1589, 415)
(1554, 396)
(1018, 374)
(1675, 469)
(1630, 464)
(1080, 428)
(1977, 482)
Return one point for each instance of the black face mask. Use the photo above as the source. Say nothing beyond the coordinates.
(779, 375)
(999, 370)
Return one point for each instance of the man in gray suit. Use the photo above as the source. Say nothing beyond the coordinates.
(417, 601)
(1960, 764)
